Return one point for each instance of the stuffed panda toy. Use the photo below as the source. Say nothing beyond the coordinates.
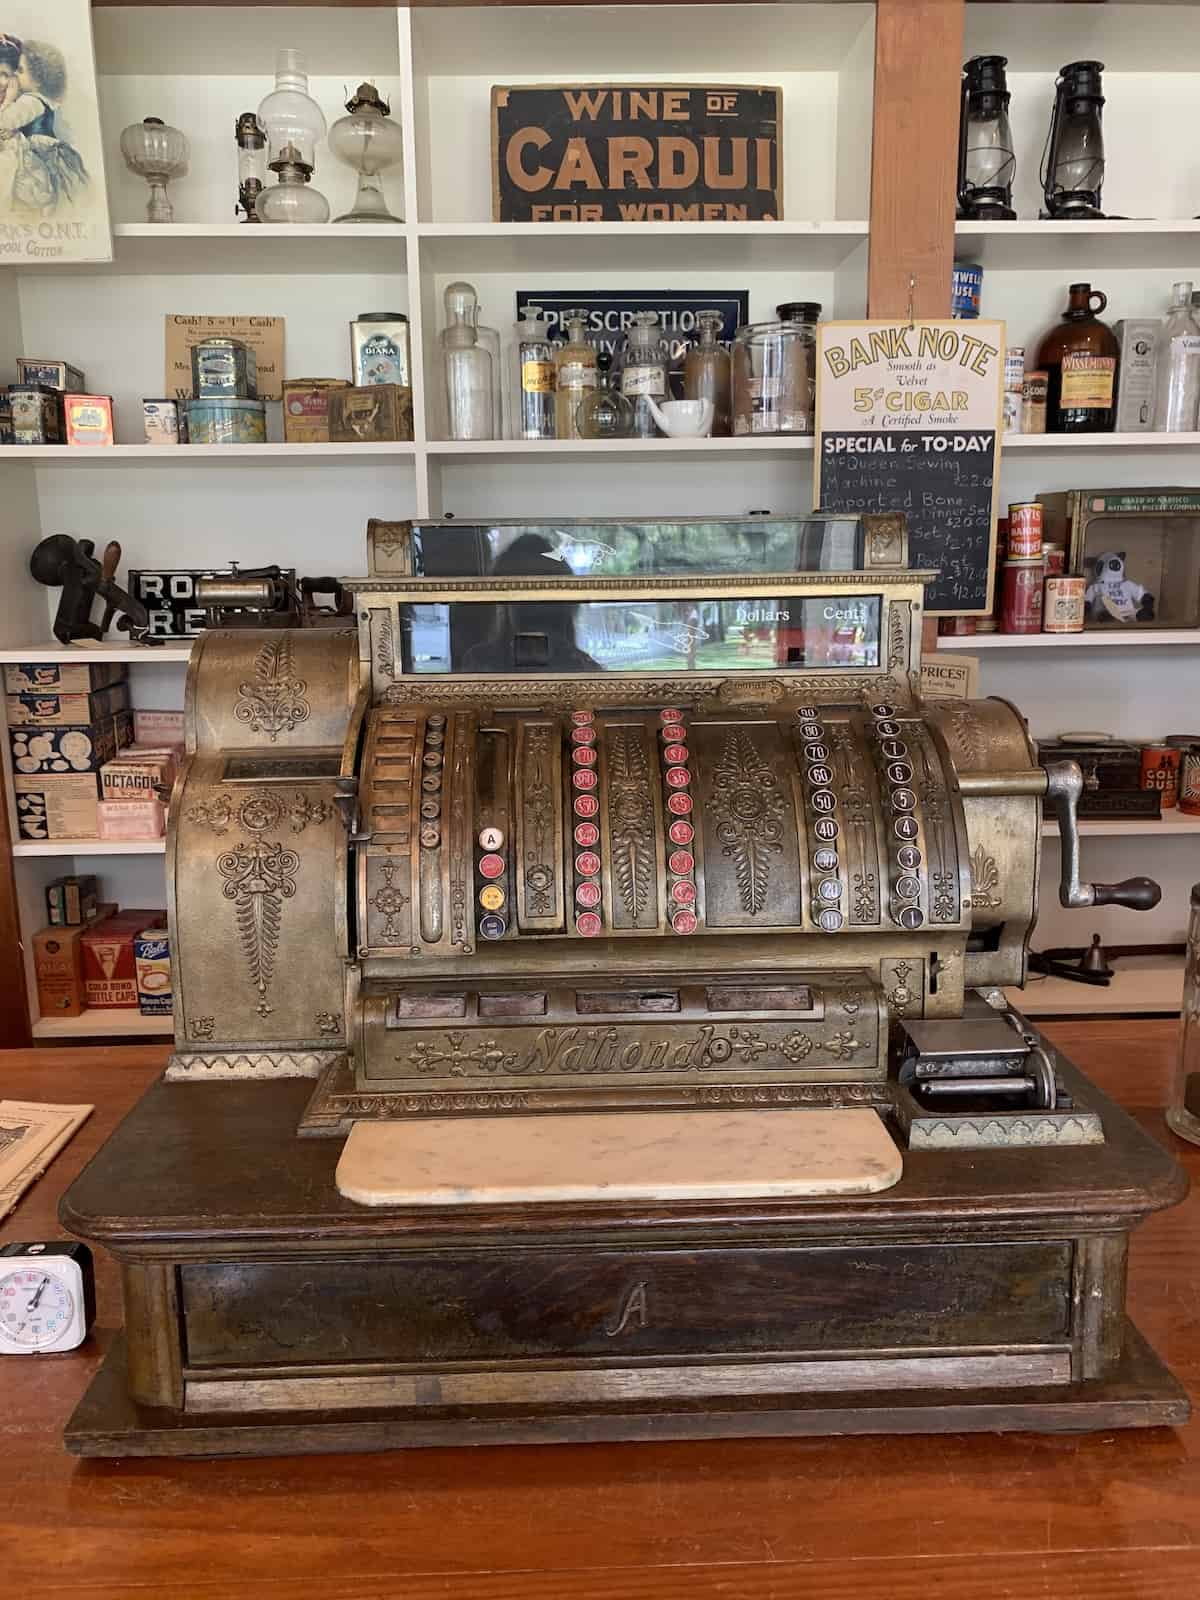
(1111, 596)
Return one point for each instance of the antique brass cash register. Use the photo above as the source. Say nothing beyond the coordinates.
(591, 824)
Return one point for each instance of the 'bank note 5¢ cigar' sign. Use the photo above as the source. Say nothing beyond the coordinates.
(627, 153)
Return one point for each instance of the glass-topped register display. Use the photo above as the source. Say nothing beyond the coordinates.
(754, 634)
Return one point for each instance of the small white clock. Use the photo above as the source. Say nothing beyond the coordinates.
(47, 1297)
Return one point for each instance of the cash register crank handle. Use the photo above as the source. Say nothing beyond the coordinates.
(345, 798)
(1061, 782)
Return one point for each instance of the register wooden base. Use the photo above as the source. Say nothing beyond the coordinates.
(266, 1313)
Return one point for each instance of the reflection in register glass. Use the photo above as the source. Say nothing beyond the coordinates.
(675, 635)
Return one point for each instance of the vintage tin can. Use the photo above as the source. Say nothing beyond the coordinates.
(306, 409)
(1021, 598)
(226, 421)
(224, 369)
(88, 418)
(6, 422)
(1014, 374)
(152, 965)
(1054, 559)
(54, 374)
(1189, 781)
(987, 625)
(966, 285)
(368, 413)
(379, 348)
(1062, 605)
(37, 416)
(1160, 770)
(160, 421)
(1034, 390)
(956, 627)
(1025, 530)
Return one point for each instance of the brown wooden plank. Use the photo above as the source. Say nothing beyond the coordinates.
(914, 153)
(14, 1001)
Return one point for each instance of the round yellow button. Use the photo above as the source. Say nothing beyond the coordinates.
(491, 897)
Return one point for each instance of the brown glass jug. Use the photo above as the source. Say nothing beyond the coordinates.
(1080, 358)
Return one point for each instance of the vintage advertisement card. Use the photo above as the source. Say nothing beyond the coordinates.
(31, 1135)
(53, 201)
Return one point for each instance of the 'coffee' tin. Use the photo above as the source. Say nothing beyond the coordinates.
(1021, 603)
(1062, 606)
(1025, 530)
(227, 421)
(966, 284)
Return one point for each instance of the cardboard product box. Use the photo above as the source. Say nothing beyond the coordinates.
(54, 708)
(73, 900)
(56, 805)
(58, 966)
(109, 969)
(306, 409)
(135, 774)
(63, 677)
(152, 960)
(88, 418)
(370, 412)
(130, 819)
(158, 728)
(76, 749)
(1137, 337)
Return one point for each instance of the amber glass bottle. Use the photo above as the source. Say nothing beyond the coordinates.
(1079, 358)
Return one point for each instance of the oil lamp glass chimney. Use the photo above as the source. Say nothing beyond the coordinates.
(1073, 160)
(986, 161)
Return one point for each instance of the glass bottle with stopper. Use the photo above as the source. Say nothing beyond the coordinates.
(644, 371)
(575, 374)
(252, 164)
(604, 412)
(1079, 358)
(470, 399)
(462, 302)
(370, 142)
(1177, 366)
(157, 153)
(706, 370)
(294, 125)
(535, 375)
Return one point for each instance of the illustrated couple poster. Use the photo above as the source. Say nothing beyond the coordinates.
(53, 202)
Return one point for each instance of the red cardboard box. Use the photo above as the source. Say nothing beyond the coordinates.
(109, 972)
(58, 966)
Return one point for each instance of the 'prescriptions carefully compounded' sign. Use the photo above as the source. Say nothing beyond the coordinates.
(909, 419)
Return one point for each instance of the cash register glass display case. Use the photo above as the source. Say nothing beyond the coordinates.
(618, 817)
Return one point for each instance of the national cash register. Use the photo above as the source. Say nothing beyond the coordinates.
(588, 824)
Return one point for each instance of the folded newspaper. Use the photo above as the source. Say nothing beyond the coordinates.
(31, 1135)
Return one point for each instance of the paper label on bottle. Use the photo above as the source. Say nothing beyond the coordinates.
(1187, 344)
(537, 377)
(1087, 382)
(576, 375)
(644, 380)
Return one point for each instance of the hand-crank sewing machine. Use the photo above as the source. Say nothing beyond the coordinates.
(638, 827)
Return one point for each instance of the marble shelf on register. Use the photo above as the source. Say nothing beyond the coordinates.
(653, 1155)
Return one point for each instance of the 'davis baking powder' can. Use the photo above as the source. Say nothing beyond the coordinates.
(1021, 602)
(1025, 531)
(1062, 605)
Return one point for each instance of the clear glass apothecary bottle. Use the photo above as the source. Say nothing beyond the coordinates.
(575, 374)
(470, 399)
(1183, 1113)
(644, 371)
(604, 412)
(774, 372)
(706, 371)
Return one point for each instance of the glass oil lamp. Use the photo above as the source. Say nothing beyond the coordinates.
(986, 161)
(1073, 160)
(157, 153)
(252, 164)
(370, 142)
(291, 199)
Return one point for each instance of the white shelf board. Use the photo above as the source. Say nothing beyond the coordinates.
(1095, 639)
(1031, 243)
(121, 455)
(98, 650)
(89, 847)
(588, 246)
(1101, 441)
(99, 1023)
(171, 248)
(1172, 824)
(523, 449)
(1140, 985)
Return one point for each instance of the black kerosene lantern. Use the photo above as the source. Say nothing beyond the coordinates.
(1073, 160)
(986, 162)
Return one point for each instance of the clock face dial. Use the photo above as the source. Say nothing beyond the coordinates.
(36, 1308)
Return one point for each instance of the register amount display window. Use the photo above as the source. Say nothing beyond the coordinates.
(758, 634)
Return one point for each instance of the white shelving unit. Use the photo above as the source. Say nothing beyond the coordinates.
(308, 507)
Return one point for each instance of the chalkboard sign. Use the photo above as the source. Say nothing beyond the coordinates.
(908, 419)
(630, 152)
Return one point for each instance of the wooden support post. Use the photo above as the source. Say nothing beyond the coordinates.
(914, 155)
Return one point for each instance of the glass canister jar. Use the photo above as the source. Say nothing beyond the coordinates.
(774, 372)
(1183, 1113)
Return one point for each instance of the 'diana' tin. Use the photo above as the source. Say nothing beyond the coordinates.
(224, 369)
(212, 421)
